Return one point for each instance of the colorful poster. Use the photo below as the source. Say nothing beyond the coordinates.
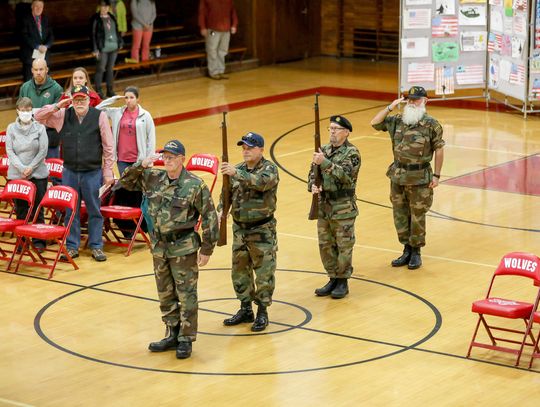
(508, 10)
(494, 72)
(444, 80)
(517, 74)
(537, 27)
(417, 73)
(444, 26)
(472, 1)
(445, 51)
(496, 20)
(445, 7)
(470, 74)
(520, 24)
(535, 90)
(417, 18)
(473, 41)
(506, 47)
(414, 47)
(534, 64)
(517, 47)
(520, 5)
(418, 2)
(472, 15)
(505, 67)
(495, 2)
(508, 25)
(494, 42)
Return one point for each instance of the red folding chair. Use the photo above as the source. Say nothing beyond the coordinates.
(208, 163)
(16, 189)
(536, 348)
(4, 165)
(57, 197)
(112, 212)
(515, 264)
(2, 142)
(55, 167)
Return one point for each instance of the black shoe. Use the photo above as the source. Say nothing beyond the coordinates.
(416, 259)
(167, 343)
(261, 322)
(404, 258)
(327, 288)
(183, 350)
(244, 314)
(341, 289)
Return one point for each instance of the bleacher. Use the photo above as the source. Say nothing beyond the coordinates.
(179, 49)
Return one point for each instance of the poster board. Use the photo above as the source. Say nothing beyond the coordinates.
(443, 45)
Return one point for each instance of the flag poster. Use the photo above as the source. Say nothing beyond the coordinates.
(417, 18)
(444, 26)
(417, 72)
(470, 74)
(444, 80)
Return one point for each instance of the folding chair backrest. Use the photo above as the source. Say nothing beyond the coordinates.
(19, 189)
(55, 167)
(4, 165)
(57, 197)
(3, 142)
(204, 162)
(520, 264)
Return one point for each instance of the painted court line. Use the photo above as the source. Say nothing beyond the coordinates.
(14, 403)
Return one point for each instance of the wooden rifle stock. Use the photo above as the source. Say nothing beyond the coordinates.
(225, 189)
(314, 210)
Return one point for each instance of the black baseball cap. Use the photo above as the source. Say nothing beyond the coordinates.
(174, 147)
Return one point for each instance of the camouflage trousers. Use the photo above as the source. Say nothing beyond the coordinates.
(254, 251)
(176, 281)
(336, 242)
(410, 204)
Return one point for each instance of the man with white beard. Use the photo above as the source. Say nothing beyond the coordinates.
(416, 138)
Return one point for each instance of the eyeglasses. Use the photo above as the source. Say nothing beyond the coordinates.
(168, 157)
(79, 101)
(334, 129)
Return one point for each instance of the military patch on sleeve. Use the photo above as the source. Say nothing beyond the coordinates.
(355, 160)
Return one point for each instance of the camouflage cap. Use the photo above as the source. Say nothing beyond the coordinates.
(174, 147)
(79, 90)
(252, 140)
(342, 121)
(416, 92)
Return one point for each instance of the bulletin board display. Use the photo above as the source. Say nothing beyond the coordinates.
(509, 47)
(443, 45)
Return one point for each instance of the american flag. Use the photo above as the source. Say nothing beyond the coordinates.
(494, 42)
(470, 74)
(444, 26)
(537, 27)
(417, 18)
(517, 74)
(444, 80)
(418, 72)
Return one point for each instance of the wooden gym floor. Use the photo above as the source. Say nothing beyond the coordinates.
(398, 339)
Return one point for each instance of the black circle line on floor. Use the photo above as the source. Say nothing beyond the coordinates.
(431, 212)
(401, 348)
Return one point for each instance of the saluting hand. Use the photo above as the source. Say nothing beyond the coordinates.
(149, 161)
(396, 102)
(63, 103)
(319, 157)
(228, 169)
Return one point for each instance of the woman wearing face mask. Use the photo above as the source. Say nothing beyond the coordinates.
(26, 147)
(80, 77)
(134, 137)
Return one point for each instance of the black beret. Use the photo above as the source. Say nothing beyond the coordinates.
(342, 121)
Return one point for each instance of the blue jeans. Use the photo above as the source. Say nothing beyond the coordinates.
(122, 165)
(87, 184)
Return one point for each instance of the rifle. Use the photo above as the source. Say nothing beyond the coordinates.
(314, 211)
(225, 189)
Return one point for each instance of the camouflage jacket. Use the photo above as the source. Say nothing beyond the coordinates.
(253, 192)
(339, 172)
(174, 208)
(412, 145)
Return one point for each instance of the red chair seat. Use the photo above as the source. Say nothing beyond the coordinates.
(40, 231)
(120, 212)
(536, 316)
(503, 308)
(7, 225)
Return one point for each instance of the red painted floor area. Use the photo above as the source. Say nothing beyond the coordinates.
(520, 176)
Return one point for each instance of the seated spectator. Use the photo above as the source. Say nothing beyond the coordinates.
(106, 41)
(26, 147)
(80, 77)
(35, 35)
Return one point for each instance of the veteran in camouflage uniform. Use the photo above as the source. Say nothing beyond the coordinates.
(416, 138)
(253, 203)
(176, 199)
(339, 162)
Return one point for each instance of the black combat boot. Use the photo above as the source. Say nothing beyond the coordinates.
(261, 322)
(244, 314)
(167, 343)
(404, 258)
(416, 259)
(327, 288)
(183, 350)
(341, 289)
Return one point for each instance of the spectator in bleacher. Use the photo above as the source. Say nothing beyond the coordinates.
(118, 8)
(217, 21)
(88, 160)
(134, 139)
(143, 14)
(26, 147)
(43, 90)
(106, 41)
(36, 37)
(80, 77)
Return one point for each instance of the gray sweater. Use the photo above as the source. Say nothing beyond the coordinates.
(143, 13)
(27, 147)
